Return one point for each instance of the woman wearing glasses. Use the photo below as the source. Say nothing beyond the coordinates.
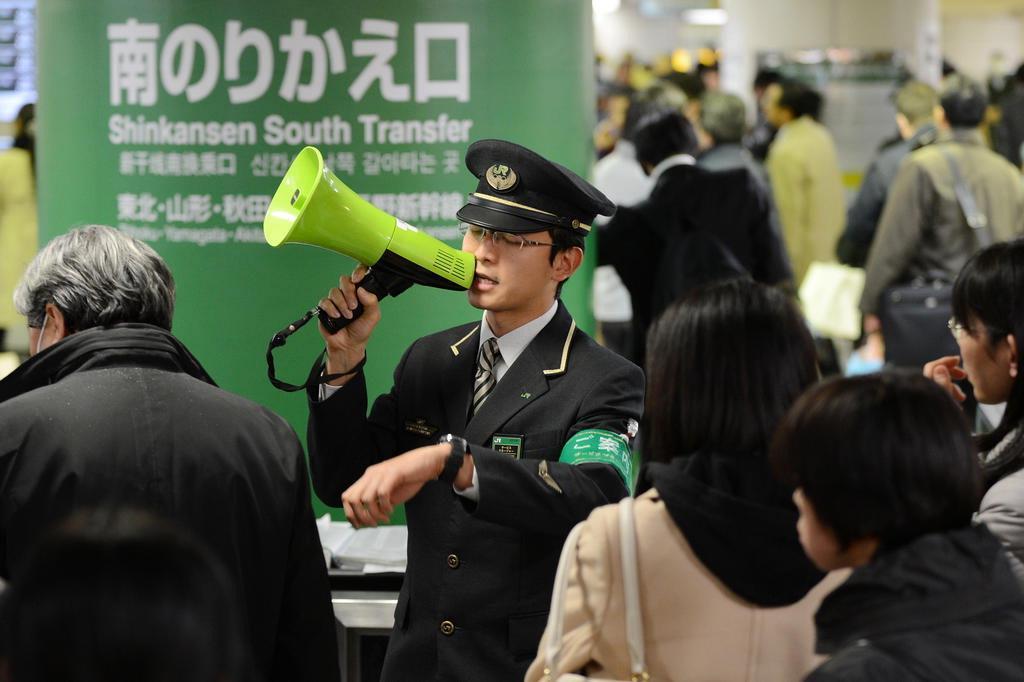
(988, 321)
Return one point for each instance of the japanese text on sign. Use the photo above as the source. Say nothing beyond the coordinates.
(141, 67)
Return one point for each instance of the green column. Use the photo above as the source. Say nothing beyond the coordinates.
(175, 120)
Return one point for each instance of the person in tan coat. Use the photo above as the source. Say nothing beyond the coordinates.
(804, 172)
(726, 591)
(18, 241)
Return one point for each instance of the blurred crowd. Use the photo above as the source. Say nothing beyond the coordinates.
(811, 214)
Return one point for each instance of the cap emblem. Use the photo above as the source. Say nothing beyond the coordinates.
(501, 178)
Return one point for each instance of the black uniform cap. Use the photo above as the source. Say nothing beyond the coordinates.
(521, 191)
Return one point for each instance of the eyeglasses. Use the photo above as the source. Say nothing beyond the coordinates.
(498, 239)
(955, 328)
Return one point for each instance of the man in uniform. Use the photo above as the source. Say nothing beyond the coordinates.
(536, 420)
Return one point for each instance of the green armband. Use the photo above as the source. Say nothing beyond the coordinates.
(604, 447)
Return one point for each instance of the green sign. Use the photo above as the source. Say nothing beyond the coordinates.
(175, 122)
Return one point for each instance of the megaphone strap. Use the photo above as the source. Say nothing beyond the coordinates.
(316, 374)
(381, 283)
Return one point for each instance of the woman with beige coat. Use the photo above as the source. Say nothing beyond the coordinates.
(18, 239)
(726, 591)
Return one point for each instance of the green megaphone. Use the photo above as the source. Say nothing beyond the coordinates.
(312, 206)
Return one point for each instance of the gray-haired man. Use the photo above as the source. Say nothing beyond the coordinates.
(111, 409)
(723, 121)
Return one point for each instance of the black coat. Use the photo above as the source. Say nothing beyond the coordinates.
(1009, 132)
(729, 205)
(945, 608)
(866, 210)
(125, 415)
(485, 568)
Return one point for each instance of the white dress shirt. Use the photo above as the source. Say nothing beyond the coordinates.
(511, 346)
(620, 178)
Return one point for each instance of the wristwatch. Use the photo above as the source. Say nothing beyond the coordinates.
(452, 464)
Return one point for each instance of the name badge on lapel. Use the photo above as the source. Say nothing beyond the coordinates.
(508, 444)
(420, 427)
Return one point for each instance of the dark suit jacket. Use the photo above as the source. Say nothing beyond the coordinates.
(730, 205)
(486, 568)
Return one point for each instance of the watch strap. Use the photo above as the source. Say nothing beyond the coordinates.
(455, 460)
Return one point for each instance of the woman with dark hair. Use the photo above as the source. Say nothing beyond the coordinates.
(725, 590)
(18, 239)
(887, 482)
(988, 322)
(121, 596)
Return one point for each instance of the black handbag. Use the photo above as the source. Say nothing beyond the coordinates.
(914, 317)
(914, 314)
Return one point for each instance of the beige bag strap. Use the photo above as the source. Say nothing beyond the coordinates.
(631, 591)
(631, 594)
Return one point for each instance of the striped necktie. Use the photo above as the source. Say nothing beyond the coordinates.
(485, 379)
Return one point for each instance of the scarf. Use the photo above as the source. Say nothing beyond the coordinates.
(1006, 457)
(740, 522)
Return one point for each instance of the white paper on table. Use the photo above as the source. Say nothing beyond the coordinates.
(371, 550)
(384, 545)
(383, 568)
(333, 534)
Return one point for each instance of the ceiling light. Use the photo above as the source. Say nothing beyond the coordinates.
(605, 6)
(704, 17)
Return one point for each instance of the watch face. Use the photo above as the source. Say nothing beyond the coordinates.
(459, 445)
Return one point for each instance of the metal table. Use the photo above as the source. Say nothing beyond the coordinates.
(364, 605)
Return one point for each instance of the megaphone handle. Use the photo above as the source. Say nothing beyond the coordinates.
(333, 325)
(375, 284)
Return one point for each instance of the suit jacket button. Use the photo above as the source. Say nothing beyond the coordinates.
(453, 561)
(447, 627)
